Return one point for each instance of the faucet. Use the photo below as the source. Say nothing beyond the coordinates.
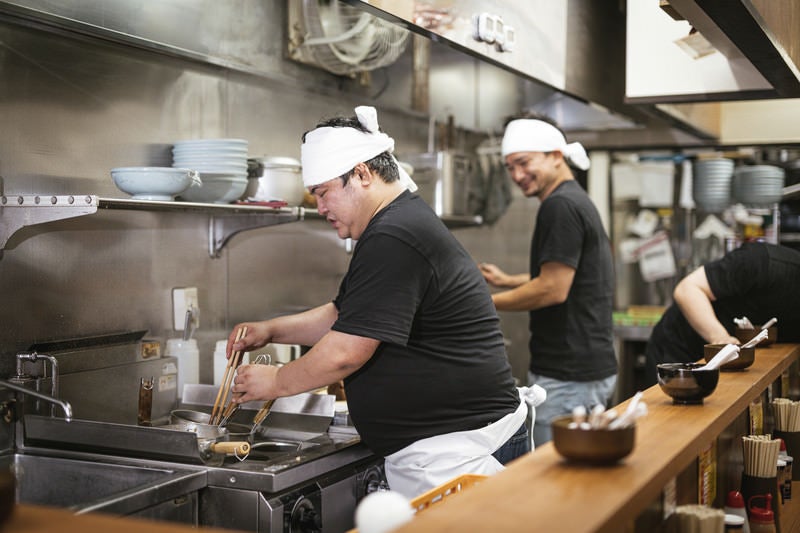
(53, 397)
(65, 406)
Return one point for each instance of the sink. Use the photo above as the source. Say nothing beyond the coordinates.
(88, 485)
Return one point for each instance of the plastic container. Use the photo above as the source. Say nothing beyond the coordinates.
(442, 492)
(188, 361)
(220, 361)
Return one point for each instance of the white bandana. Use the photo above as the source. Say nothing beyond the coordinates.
(530, 135)
(329, 152)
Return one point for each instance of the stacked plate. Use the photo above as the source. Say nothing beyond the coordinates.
(758, 185)
(711, 184)
(222, 164)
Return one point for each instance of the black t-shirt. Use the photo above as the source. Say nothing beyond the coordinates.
(441, 365)
(573, 341)
(757, 280)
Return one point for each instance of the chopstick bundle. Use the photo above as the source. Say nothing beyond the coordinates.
(220, 407)
(760, 455)
(787, 414)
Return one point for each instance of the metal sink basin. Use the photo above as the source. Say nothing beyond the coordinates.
(87, 485)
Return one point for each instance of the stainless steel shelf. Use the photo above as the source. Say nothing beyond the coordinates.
(792, 191)
(226, 220)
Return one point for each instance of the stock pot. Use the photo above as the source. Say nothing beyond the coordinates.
(275, 178)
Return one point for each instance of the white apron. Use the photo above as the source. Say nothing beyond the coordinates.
(428, 463)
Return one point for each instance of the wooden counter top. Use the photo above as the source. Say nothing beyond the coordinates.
(543, 492)
(39, 519)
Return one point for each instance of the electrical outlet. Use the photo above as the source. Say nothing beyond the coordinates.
(183, 299)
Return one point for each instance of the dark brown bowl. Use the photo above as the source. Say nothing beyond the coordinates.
(591, 446)
(746, 357)
(745, 335)
(685, 384)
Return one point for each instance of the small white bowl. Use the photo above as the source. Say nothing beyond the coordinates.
(154, 183)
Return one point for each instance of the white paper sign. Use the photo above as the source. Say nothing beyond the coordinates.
(655, 258)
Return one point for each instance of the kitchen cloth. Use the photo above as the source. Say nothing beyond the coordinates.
(428, 463)
(329, 152)
(530, 135)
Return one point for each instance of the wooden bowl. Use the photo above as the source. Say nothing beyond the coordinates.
(746, 357)
(745, 335)
(591, 446)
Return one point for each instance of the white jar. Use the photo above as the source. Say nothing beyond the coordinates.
(188, 356)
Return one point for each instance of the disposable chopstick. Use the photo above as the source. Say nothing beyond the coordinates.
(263, 412)
(224, 386)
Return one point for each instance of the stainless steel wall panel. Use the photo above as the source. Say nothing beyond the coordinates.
(73, 108)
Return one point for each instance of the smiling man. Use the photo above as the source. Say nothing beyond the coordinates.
(412, 331)
(570, 288)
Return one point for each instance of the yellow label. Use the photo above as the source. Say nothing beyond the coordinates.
(756, 417)
(151, 349)
(707, 475)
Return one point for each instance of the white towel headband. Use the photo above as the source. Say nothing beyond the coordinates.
(330, 152)
(530, 135)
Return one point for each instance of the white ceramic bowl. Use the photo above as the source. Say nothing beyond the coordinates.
(154, 183)
(218, 189)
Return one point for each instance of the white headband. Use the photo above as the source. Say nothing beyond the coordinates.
(530, 135)
(329, 152)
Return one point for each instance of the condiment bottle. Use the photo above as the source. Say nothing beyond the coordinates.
(786, 484)
(734, 523)
(734, 505)
(762, 519)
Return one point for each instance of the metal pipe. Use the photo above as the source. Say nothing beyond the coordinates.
(33, 357)
(65, 406)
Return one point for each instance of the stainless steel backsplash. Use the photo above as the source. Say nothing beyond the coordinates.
(73, 107)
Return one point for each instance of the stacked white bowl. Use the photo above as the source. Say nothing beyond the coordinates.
(711, 184)
(222, 164)
(758, 185)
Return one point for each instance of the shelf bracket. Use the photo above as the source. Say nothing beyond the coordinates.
(16, 212)
(222, 227)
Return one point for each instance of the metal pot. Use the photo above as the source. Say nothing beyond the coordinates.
(275, 178)
(213, 442)
(187, 418)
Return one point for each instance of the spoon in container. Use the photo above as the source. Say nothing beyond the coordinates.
(769, 323)
(763, 334)
(728, 353)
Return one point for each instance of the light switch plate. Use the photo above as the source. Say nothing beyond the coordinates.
(184, 298)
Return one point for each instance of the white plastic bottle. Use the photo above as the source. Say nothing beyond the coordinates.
(188, 356)
(220, 361)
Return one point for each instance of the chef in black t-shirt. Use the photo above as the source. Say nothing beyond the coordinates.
(758, 281)
(412, 331)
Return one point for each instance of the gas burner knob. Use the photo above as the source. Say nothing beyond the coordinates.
(304, 518)
(373, 481)
(376, 485)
